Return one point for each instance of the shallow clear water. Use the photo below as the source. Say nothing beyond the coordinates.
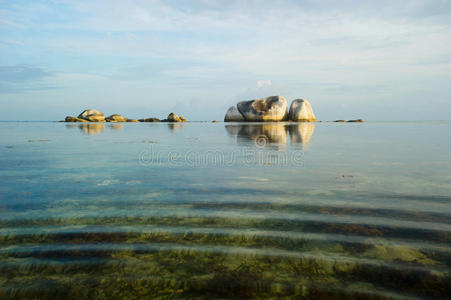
(203, 210)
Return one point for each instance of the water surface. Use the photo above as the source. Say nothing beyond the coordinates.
(202, 210)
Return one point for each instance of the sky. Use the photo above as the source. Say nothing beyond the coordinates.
(376, 60)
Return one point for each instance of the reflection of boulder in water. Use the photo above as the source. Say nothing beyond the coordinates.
(71, 125)
(91, 128)
(271, 134)
(233, 130)
(116, 126)
(301, 133)
(263, 134)
(176, 126)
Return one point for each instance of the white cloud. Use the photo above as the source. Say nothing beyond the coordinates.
(264, 83)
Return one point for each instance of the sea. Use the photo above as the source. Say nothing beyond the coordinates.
(203, 210)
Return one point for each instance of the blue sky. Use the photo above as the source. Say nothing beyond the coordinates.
(378, 60)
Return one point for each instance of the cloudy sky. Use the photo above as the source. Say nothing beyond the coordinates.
(378, 60)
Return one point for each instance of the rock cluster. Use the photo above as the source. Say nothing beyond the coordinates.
(92, 115)
(270, 109)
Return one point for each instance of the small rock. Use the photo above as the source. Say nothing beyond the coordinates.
(74, 119)
(172, 117)
(340, 121)
(355, 121)
(149, 120)
(116, 118)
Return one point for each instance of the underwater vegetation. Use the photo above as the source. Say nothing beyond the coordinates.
(136, 258)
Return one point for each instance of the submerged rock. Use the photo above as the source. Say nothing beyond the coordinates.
(301, 111)
(233, 115)
(269, 109)
(74, 119)
(92, 115)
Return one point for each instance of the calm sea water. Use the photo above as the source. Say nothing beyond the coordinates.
(214, 210)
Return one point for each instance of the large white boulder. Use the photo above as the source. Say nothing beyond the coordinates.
(233, 115)
(92, 115)
(301, 111)
(269, 109)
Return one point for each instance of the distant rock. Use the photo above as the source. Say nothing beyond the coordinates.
(172, 117)
(301, 111)
(182, 118)
(116, 118)
(269, 109)
(233, 115)
(92, 115)
(74, 119)
(149, 120)
(132, 121)
(350, 121)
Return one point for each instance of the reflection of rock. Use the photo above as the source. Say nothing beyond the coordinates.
(301, 111)
(175, 126)
(233, 115)
(91, 128)
(269, 109)
(301, 133)
(233, 130)
(271, 134)
(92, 115)
(262, 135)
(116, 126)
(72, 125)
